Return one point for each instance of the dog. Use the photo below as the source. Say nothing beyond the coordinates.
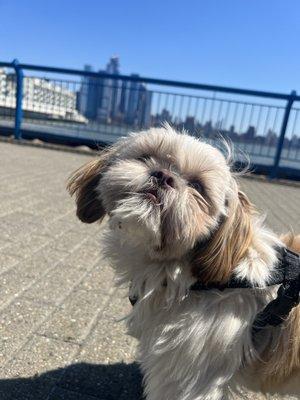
(176, 219)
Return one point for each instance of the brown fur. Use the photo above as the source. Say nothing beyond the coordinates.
(282, 357)
(215, 261)
(83, 183)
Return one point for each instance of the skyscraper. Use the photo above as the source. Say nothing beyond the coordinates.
(109, 100)
(111, 92)
(144, 107)
(133, 98)
(88, 95)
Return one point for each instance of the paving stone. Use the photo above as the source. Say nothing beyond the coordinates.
(108, 341)
(41, 355)
(17, 323)
(55, 227)
(74, 319)
(46, 257)
(56, 284)
(63, 243)
(14, 281)
(99, 279)
(3, 243)
(26, 245)
(275, 200)
(7, 261)
(17, 279)
(13, 195)
(13, 224)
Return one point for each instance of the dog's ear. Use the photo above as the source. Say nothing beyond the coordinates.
(84, 183)
(213, 261)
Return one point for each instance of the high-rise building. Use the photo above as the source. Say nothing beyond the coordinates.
(112, 100)
(249, 134)
(145, 107)
(88, 95)
(133, 99)
(110, 93)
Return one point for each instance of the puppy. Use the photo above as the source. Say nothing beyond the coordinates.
(177, 219)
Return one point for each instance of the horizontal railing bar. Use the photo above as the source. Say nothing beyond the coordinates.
(220, 99)
(163, 82)
(6, 64)
(192, 96)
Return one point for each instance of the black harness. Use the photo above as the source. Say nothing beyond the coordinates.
(286, 274)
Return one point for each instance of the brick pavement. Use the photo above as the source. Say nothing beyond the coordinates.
(59, 335)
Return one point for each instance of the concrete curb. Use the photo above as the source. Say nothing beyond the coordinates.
(39, 144)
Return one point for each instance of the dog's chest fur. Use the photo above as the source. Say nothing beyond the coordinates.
(190, 343)
(200, 342)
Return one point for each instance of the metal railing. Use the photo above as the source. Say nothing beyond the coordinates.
(78, 107)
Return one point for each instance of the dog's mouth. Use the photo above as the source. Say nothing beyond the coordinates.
(152, 195)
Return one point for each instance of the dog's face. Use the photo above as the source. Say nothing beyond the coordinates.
(172, 196)
(164, 189)
(169, 185)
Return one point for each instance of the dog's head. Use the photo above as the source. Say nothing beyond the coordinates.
(170, 192)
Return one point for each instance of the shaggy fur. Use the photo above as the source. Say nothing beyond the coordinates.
(176, 215)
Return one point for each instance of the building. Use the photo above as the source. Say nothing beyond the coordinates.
(249, 134)
(7, 91)
(2, 83)
(41, 99)
(135, 104)
(144, 107)
(109, 93)
(88, 95)
(107, 100)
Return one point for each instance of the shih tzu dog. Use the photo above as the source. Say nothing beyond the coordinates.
(214, 292)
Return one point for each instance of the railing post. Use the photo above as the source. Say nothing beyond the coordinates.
(285, 121)
(19, 97)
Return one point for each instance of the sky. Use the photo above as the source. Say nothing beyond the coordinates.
(241, 43)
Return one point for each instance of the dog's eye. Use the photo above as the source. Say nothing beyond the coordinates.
(143, 158)
(197, 186)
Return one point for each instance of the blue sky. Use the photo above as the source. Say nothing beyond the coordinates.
(243, 43)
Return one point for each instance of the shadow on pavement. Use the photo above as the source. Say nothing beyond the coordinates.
(77, 382)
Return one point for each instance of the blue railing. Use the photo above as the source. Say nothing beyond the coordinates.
(78, 107)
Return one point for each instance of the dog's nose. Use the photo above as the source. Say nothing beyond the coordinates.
(163, 178)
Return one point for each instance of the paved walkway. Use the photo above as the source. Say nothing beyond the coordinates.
(59, 338)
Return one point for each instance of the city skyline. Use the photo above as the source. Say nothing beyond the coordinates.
(212, 129)
(122, 99)
(132, 104)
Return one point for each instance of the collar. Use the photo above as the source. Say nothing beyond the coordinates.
(287, 269)
(286, 274)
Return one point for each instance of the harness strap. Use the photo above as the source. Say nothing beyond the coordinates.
(286, 274)
(287, 269)
(288, 294)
